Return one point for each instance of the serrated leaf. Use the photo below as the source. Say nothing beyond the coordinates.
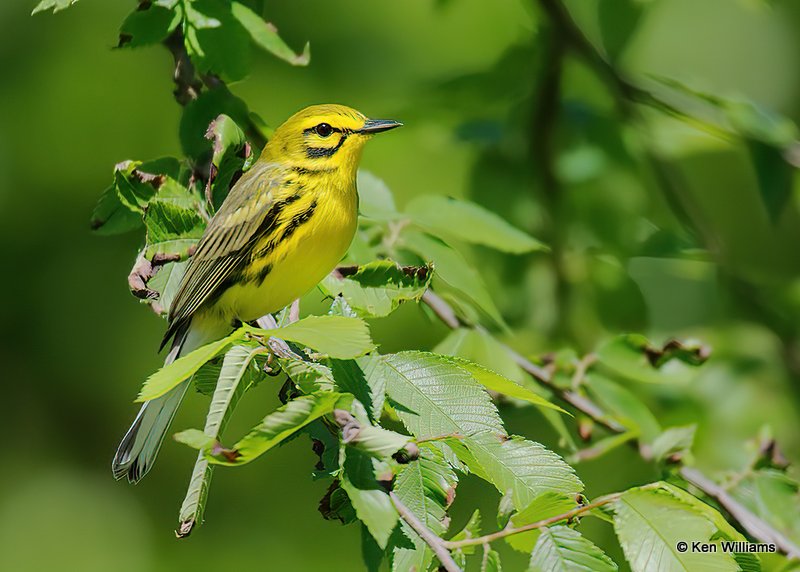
(309, 376)
(427, 487)
(547, 505)
(372, 504)
(471, 530)
(378, 288)
(54, 5)
(171, 229)
(496, 382)
(491, 562)
(451, 269)
(361, 379)
(276, 427)
(184, 367)
(438, 398)
(469, 222)
(562, 549)
(231, 385)
(266, 36)
(334, 336)
(651, 522)
(375, 199)
(525, 468)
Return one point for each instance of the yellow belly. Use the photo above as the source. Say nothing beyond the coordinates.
(297, 264)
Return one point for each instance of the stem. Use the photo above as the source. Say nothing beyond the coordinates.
(754, 525)
(437, 544)
(577, 511)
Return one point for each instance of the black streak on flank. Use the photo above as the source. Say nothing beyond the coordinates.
(298, 220)
(317, 152)
(306, 171)
(271, 218)
(263, 273)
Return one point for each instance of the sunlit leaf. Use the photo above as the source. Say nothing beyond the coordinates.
(184, 367)
(562, 549)
(54, 5)
(546, 505)
(335, 336)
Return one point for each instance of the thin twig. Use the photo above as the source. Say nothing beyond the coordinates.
(753, 524)
(577, 511)
(432, 540)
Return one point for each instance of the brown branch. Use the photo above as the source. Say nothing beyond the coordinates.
(436, 544)
(577, 511)
(754, 525)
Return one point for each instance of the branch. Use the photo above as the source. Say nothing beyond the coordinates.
(577, 511)
(437, 544)
(754, 525)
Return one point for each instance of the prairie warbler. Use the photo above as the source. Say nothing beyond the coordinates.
(282, 228)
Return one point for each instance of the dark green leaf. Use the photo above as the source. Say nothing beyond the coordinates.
(378, 288)
(266, 36)
(774, 175)
(228, 156)
(200, 112)
(216, 41)
(372, 505)
(148, 24)
(618, 22)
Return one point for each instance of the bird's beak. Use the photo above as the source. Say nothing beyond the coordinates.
(372, 126)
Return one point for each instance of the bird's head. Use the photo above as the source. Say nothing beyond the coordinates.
(324, 137)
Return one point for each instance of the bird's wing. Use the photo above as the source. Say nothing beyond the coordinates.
(250, 209)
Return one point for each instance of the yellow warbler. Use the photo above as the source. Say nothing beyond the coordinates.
(282, 228)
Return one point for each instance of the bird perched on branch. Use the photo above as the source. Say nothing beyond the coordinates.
(282, 228)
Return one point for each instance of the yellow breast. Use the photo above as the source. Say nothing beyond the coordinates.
(307, 240)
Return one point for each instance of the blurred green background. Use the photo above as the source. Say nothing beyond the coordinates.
(465, 77)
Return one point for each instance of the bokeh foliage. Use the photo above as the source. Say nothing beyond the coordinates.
(663, 187)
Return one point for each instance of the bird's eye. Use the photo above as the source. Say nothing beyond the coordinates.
(323, 129)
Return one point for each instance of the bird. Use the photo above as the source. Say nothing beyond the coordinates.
(282, 228)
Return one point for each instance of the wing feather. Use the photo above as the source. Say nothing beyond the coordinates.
(227, 241)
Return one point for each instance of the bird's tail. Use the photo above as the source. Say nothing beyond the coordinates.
(139, 447)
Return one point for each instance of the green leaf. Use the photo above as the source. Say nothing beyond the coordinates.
(233, 382)
(171, 229)
(334, 336)
(471, 530)
(427, 487)
(372, 505)
(184, 367)
(626, 407)
(375, 199)
(112, 216)
(481, 347)
(634, 357)
(650, 523)
(54, 5)
(360, 379)
(774, 175)
(276, 427)
(166, 282)
(378, 288)
(562, 549)
(216, 41)
(199, 113)
(266, 36)
(546, 505)
(491, 562)
(438, 397)
(228, 156)
(469, 222)
(525, 468)
(205, 379)
(496, 382)
(453, 270)
(773, 496)
(674, 440)
(309, 376)
(618, 22)
(148, 24)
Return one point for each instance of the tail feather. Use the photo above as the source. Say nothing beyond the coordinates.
(139, 447)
